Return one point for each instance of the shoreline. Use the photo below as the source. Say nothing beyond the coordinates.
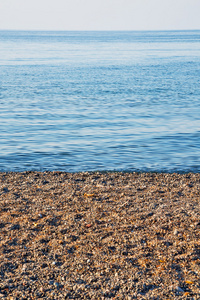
(99, 235)
(181, 172)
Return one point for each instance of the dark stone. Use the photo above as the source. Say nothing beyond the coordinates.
(71, 250)
(45, 182)
(5, 190)
(15, 227)
(2, 225)
(111, 248)
(78, 217)
(74, 238)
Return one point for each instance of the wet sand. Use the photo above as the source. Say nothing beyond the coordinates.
(99, 235)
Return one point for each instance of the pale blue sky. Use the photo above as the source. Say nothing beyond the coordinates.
(100, 14)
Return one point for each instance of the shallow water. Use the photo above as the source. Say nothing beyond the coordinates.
(78, 101)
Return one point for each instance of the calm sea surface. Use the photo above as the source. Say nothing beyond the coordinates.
(83, 101)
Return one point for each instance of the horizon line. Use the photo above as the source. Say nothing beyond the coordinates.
(100, 30)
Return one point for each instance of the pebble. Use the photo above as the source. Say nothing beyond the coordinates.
(175, 232)
(56, 284)
(179, 289)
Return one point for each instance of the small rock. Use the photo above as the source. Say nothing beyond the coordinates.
(180, 290)
(88, 225)
(15, 227)
(5, 190)
(24, 268)
(175, 232)
(56, 284)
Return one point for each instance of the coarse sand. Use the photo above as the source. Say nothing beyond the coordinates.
(93, 235)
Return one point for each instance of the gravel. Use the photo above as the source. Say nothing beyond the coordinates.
(99, 235)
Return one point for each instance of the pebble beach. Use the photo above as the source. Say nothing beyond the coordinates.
(99, 235)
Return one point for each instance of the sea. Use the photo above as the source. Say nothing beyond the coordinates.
(100, 101)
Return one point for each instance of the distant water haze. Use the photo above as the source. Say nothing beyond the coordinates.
(85, 101)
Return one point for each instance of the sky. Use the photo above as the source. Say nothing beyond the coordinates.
(99, 14)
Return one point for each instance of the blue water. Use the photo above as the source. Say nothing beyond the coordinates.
(84, 101)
